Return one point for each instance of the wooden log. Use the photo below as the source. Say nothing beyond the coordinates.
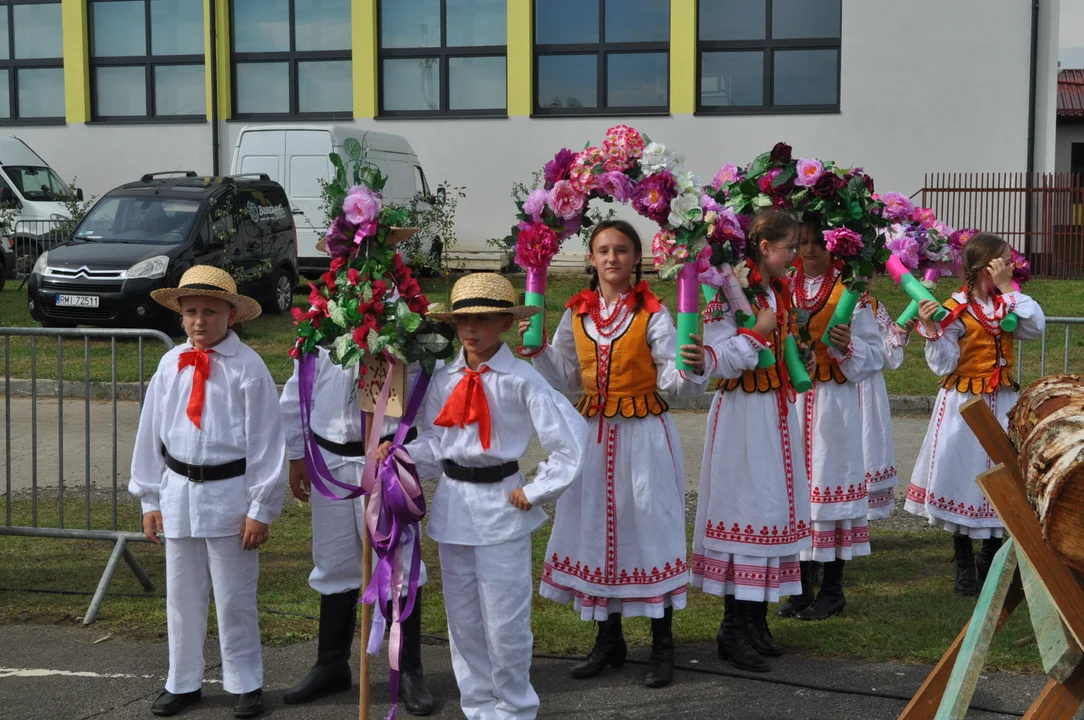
(1038, 400)
(1060, 654)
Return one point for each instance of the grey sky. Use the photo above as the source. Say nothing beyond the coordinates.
(1071, 32)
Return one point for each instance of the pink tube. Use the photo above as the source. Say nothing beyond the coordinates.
(536, 280)
(732, 291)
(932, 275)
(1015, 286)
(688, 300)
(896, 268)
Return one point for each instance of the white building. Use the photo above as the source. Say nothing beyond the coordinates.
(486, 91)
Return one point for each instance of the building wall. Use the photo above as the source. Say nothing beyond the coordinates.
(1068, 133)
(923, 90)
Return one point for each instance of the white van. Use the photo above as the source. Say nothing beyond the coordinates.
(296, 156)
(28, 182)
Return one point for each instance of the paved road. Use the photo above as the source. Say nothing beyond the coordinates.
(50, 440)
(61, 674)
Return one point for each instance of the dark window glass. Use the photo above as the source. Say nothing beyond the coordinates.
(261, 26)
(31, 62)
(477, 22)
(176, 27)
(568, 81)
(566, 22)
(733, 20)
(637, 21)
(476, 83)
(805, 77)
(636, 79)
(805, 19)
(732, 79)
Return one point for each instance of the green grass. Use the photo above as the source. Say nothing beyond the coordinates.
(900, 601)
(272, 335)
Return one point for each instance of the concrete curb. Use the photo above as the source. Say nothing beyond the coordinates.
(130, 392)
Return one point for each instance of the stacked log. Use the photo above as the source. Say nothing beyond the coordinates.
(1047, 427)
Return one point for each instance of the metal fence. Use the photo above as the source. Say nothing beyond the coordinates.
(30, 238)
(1040, 214)
(27, 394)
(1072, 356)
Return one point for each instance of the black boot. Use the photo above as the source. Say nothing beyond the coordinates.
(170, 704)
(795, 603)
(990, 546)
(759, 633)
(830, 600)
(610, 649)
(413, 693)
(733, 638)
(660, 666)
(331, 674)
(963, 554)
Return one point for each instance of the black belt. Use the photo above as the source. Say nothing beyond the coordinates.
(356, 448)
(491, 474)
(204, 473)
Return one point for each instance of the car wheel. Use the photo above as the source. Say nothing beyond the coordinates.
(26, 254)
(282, 292)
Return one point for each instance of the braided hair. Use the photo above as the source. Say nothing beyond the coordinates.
(976, 257)
(771, 225)
(626, 229)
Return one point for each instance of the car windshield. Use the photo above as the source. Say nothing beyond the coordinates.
(162, 221)
(36, 183)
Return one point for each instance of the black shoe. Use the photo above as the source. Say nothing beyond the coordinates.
(830, 600)
(985, 558)
(248, 704)
(759, 633)
(733, 638)
(413, 692)
(660, 666)
(170, 704)
(610, 649)
(963, 554)
(331, 674)
(796, 603)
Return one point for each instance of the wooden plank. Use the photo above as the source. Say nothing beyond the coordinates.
(980, 631)
(1061, 655)
(1058, 701)
(1012, 507)
(991, 435)
(923, 705)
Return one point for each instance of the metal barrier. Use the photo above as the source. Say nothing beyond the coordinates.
(41, 388)
(1068, 322)
(31, 238)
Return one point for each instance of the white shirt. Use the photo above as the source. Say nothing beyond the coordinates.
(865, 356)
(336, 411)
(895, 338)
(240, 420)
(521, 402)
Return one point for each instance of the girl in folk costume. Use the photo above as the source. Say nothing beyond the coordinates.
(752, 511)
(975, 355)
(877, 445)
(831, 419)
(618, 543)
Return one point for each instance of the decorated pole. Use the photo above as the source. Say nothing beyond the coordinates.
(848, 301)
(910, 284)
(929, 278)
(366, 623)
(688, 316)
(792, 358)
(1011, 320)
(536, 297)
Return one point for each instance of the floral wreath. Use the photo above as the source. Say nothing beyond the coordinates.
(369, 302)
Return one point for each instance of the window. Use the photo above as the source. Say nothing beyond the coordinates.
(443, 57)
(292, 58)
(147, 60)
(769, 56)
(31, 62)
(601, 56)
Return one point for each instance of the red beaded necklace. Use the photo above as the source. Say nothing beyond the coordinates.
(991, 326)
(608, 327)
(818, 301)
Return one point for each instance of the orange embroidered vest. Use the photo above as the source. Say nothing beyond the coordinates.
(620, 378)
(979, 370)
(759, 381)
(827, 367)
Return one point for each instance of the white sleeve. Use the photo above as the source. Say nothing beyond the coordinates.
(425, 449)
(562, 432)
(148, 465)
(943, 352)
(662, 338)
(558, 362)
(891, 335)
(1032, 320)
(265, 475)
(290, 409)
(729, 354)
(865, 355)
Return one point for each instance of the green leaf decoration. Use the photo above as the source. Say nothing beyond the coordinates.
(760, 164)
(410, 321)
(335, 312)
(339, 348)
(762, 201)
(789, 173)
(433, 343)
(352, 148)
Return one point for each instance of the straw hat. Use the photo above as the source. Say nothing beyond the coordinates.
(484, 293)
(208, 281)
(396, 235)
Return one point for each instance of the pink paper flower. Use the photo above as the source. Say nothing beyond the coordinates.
(727, 174)
(662, 245)
(362, 208)
(536, 246)
(617, 185)
(703, 259)
(897, 207)
(924, 216)
(843, 242)
(809, 172)
(565, 201)
(622, 146)
(653, 196)
(582, 173)
(765, 181)
(535, 204)
(1021, 268)
(906, 249)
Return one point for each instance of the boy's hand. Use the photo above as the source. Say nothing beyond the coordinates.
(152, 526)
(926, 310)
(254, 534)
(908, 329)
(300, 485)
(519, 499)
(810, 359)
(693, 355)
(382, 451)
(840, 336)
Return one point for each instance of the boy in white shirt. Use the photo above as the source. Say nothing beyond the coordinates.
(480, 412)
(208, 470)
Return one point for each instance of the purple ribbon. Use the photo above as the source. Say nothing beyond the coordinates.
(319, 473)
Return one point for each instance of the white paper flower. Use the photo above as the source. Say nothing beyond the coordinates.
(685, 210)
(656, 158)
(688, 182)
(742, 271)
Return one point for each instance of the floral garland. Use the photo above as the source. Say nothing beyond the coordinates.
(369, 302)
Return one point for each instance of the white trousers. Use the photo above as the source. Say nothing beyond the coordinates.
(193, 567)
(337, 531)
(487, 595)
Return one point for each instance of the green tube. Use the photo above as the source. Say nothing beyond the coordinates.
(709, 292)
(848, 301)
(765, 358)
(1009, 322)
(688, 323)
(799, 378)
(918, 292)
(909, 314)
(533, 337)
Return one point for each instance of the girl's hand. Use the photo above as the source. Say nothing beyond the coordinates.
(382, 452)
(693, 355)
(254, 534)
(152, 526)
(519, 499)
(908, 329)
(840, 336)
(766, 323)
(299, 480)
(1001, 274)
(524, 325)
(926, 310)
(810, 360)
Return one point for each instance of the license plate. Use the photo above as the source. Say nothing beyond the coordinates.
(87, 301)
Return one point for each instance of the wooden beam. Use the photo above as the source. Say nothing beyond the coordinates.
(982, 421)
(1061, 655)
(1058, 701)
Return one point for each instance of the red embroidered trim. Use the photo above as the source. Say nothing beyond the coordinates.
(936, 434)
(611, 501)
(747, 575)
(810, 400)
(839, 495)
(718, 531)
(596, 601)
(839, 537)
(880, 498)
(639, 576)
(788, 457)
(923, 497)
(881, 475)
(763, 343)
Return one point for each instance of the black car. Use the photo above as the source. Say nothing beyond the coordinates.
(143, 236)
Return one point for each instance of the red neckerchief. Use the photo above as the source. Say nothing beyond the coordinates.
(468, 405)
(200, 360)
(582, 302)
